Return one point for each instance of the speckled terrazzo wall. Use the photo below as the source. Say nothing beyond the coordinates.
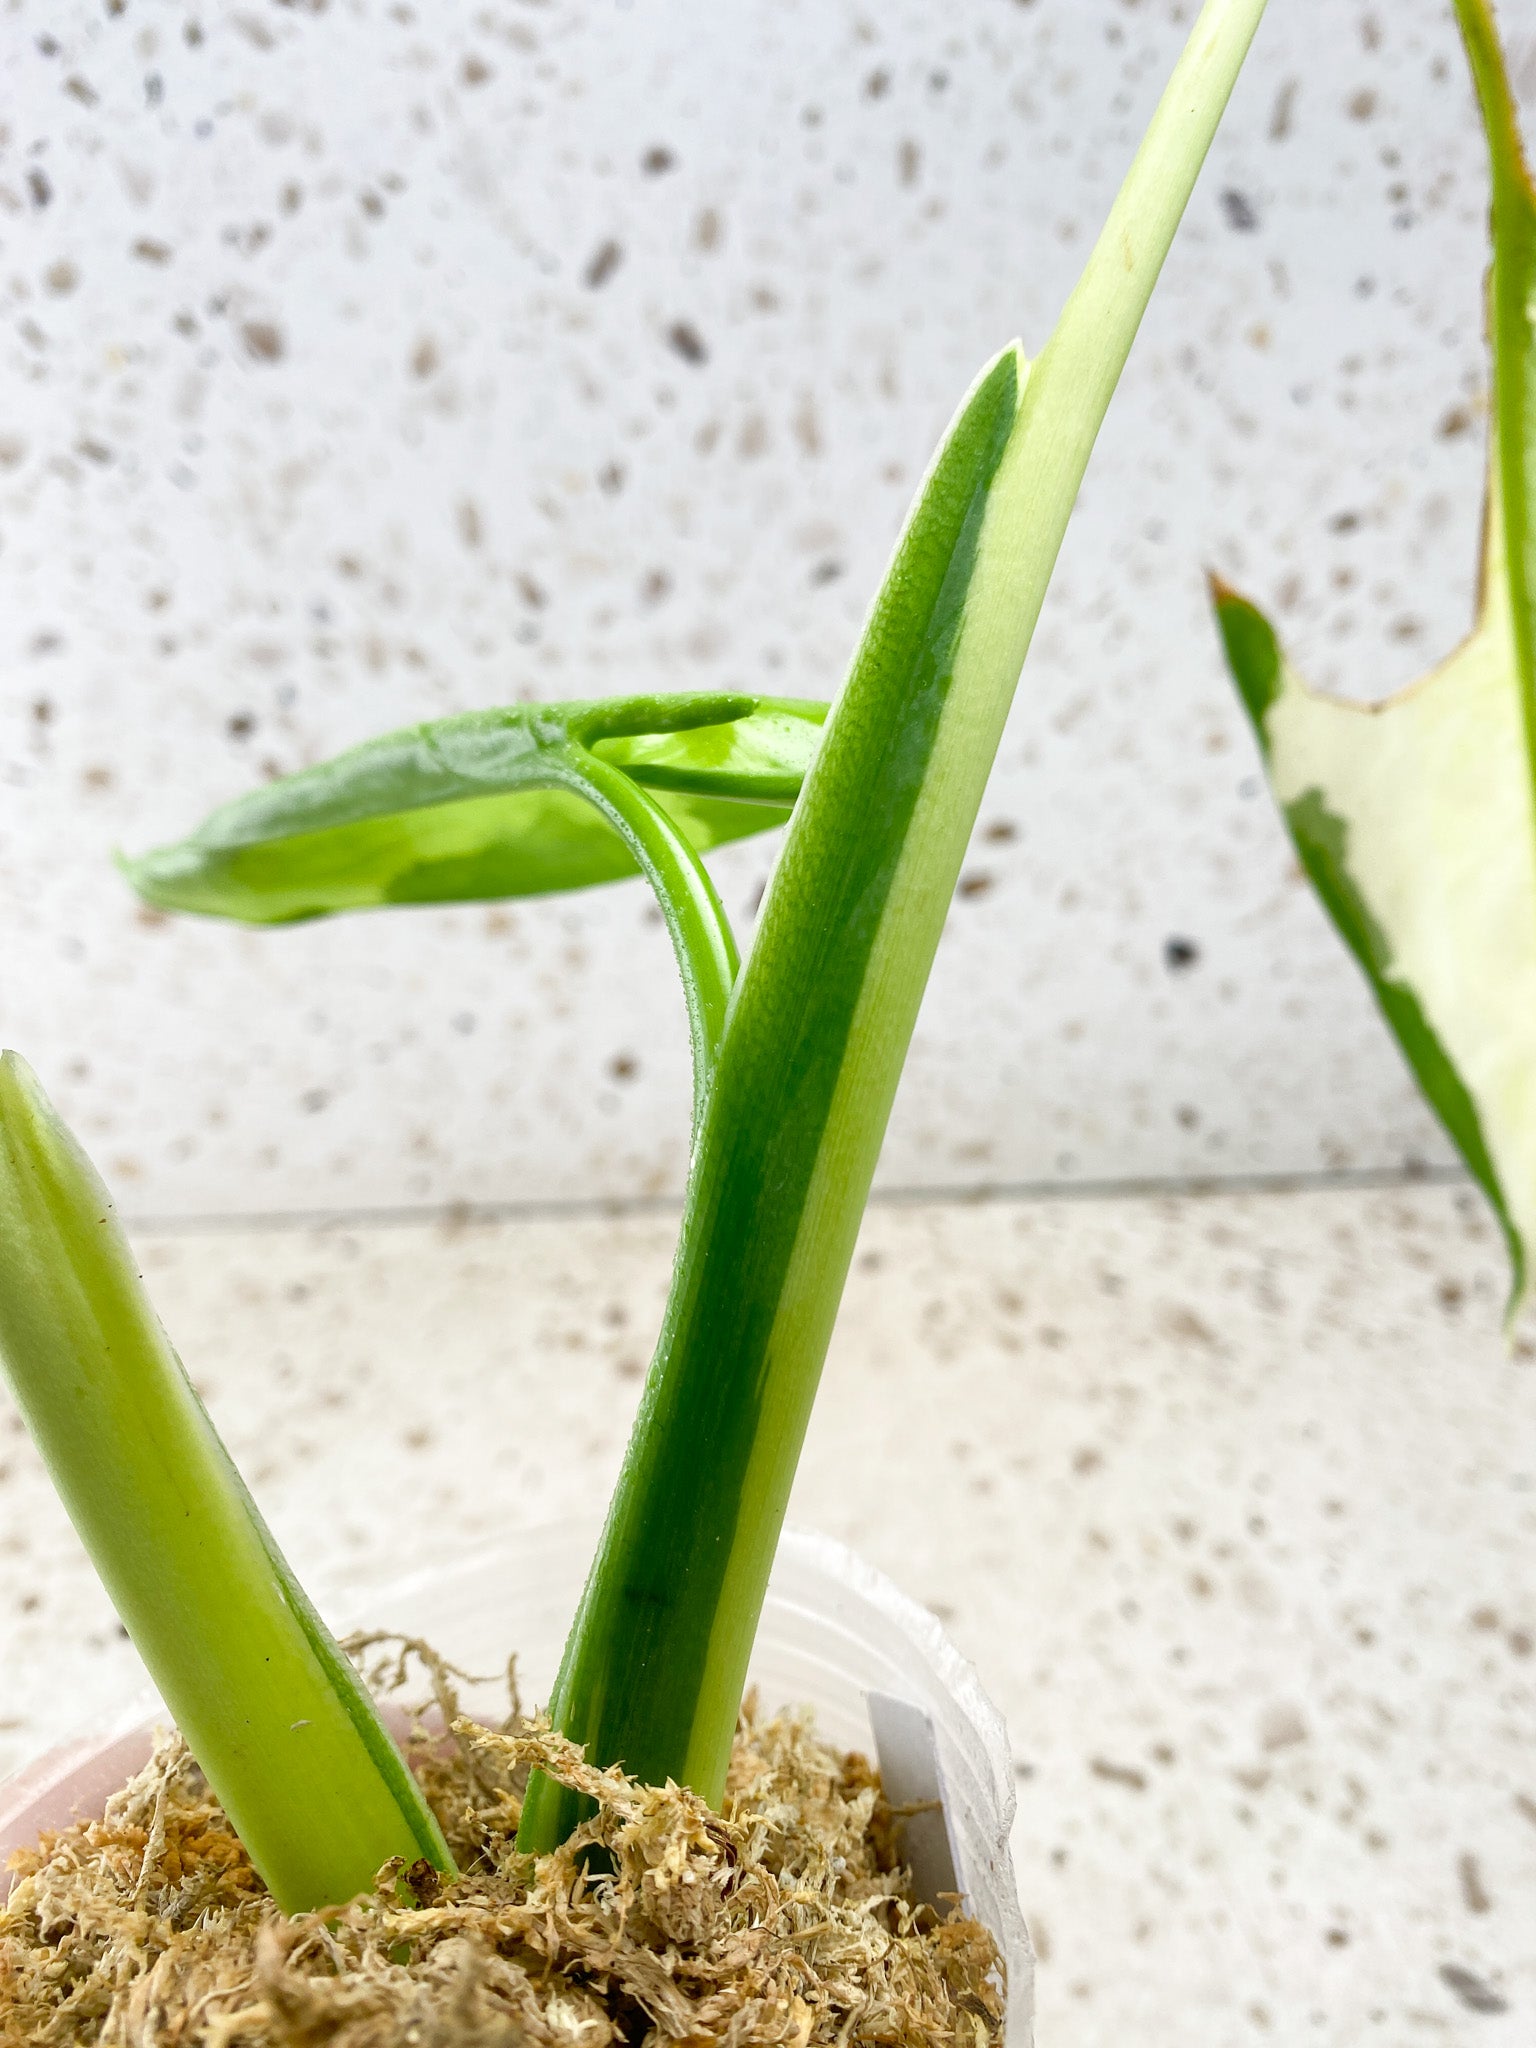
(367, 362)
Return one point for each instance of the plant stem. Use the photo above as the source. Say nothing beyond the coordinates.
(1512, 335)
(824, 1009)
(277, 1718)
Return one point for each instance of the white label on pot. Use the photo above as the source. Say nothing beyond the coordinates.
(907, 1751)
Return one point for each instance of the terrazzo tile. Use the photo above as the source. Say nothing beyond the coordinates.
(326, 411)
(1230, 1497)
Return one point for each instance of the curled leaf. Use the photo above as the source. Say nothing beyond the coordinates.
(484, 805)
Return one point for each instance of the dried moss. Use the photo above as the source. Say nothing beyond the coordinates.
(777, 1923)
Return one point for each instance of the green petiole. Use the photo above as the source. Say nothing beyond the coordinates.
(701, 934)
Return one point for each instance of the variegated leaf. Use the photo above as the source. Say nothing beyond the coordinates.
(1414, 818)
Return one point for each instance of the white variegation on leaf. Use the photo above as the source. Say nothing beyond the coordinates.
(1415, 818)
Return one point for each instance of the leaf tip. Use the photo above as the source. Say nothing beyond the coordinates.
(1252, 650)
(16, 1077)
(138, 871)
(27, 1123)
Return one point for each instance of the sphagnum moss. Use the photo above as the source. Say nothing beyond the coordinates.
(781, 1921)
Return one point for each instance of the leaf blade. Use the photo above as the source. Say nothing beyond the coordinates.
(761, 759)
(460, 810)
(1345, 812)
(1415, 818)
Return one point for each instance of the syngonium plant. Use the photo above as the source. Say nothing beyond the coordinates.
(796, 1053)
(1415, 818)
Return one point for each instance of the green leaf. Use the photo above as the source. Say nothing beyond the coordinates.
(515, 802)
(759, 759)
(825, 1005)
(1415, 818)
(276, 1716)
(485, 805)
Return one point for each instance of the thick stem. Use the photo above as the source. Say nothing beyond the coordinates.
(824, 1009)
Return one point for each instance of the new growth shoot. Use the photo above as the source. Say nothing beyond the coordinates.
(282, 1726)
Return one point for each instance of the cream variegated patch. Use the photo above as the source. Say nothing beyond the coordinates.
(1415, 819)
(1430, 797)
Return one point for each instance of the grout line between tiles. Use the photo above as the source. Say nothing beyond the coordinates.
(1203, 1187)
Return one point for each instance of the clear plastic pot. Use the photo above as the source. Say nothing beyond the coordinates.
(833, 1630)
